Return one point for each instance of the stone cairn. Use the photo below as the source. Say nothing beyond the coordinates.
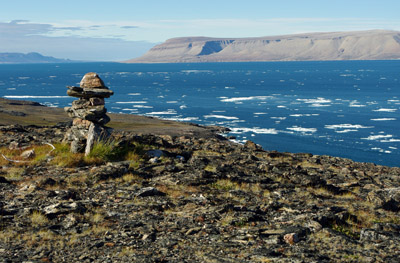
(88, 113)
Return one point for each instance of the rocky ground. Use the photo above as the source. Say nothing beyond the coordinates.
(190, 196)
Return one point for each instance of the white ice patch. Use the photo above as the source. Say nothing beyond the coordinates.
(391, 140)
(303, 115)
(346, 131)
(253, 130)
(384, 119)
(196, 71)
(278, 118)
(315, 101)
(183, 119)
(377, 137)
(34, 97)
(347, 126)
(172, 102)
(356, 104)
(220, 117)
(385, 110)
(169, 112)
(134, 94)
(239, 99)
(317, 105)
(143, 107)
(302, 130)
(131, 102)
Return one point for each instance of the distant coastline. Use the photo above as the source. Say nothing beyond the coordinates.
(32, 57)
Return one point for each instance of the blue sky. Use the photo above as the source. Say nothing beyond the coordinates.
(122, 29)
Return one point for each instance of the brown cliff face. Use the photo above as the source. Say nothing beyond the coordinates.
(362, 45)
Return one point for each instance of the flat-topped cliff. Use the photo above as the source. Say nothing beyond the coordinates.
(360, 45)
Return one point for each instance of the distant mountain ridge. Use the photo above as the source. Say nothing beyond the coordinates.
(357, 45)
(32, 57)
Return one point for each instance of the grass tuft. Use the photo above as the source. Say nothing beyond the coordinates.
(38, 219)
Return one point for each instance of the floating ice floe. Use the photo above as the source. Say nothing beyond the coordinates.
(131, 102)
(318, 100)
(385, 110)
(377, 137)
(33, 97)
(169, 112)
(347, 126)
(384, 119)
(220, 117)
(253, 130)
(356, 104)
(183, 119)
(304, 115)
(346, 131)
(142, 107)
(238, 99)
(302, 130)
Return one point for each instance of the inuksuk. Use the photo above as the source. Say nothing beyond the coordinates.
(88, 113)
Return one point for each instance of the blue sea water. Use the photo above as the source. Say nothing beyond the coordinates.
(341, 108)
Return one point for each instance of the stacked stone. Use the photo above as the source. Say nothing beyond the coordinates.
(88, 113)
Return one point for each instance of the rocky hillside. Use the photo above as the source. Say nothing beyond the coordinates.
(363, 45)
(189, 198)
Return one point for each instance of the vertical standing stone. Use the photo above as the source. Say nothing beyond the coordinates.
(88, 113)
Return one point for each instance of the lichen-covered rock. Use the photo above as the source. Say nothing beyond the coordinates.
(91, 80)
